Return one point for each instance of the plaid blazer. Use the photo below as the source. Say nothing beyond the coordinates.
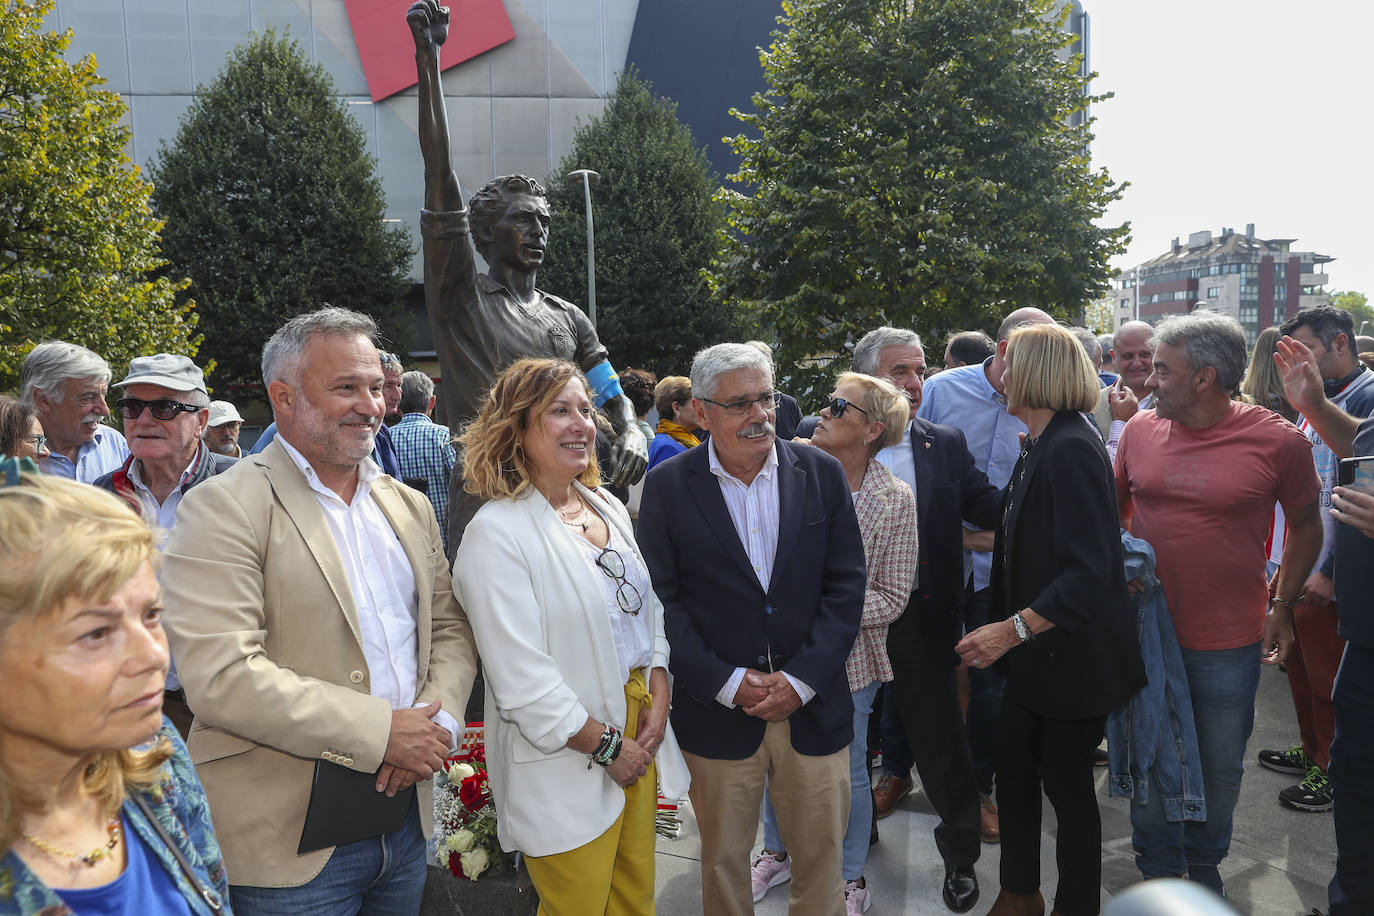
(887, 520)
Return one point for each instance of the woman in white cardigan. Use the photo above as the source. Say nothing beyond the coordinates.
(571, 639)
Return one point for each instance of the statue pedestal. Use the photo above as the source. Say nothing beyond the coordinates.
(508, 894)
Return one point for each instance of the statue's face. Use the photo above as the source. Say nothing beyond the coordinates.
(518, 239)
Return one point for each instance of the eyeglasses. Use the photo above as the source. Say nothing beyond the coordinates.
(162, 409)
(768, 402)
(627, 597)
(39, 442)
(839, 405)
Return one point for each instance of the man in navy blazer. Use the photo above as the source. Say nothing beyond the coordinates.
(755, 551)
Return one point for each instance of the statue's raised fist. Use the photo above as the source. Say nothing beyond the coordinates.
(428, 22)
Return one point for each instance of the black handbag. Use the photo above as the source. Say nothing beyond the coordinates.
(207, 893)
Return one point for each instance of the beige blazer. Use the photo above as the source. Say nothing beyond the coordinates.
(265, 635)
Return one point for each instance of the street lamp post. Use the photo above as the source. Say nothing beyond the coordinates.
(588, 176)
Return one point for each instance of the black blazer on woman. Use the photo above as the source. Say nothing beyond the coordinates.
(1058, 552)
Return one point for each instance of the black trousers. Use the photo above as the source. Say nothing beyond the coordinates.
(1033, 750)
(927, 698)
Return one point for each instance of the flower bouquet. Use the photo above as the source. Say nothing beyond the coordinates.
(465, 815)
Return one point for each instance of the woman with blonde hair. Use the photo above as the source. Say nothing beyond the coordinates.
(864, 415)
(1062, 632)
(1263, 384)
(577, 688)
(100, 808)
(677, 420)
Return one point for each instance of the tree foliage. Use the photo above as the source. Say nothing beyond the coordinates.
(656, 231)
(913, 162)
(1357, 304)
(78, 240)
(273, 206)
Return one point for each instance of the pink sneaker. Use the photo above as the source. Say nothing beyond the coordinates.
(767, 872)
(855, 898)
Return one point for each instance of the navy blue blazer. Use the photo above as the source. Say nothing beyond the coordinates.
(949, 490)
(718, 617)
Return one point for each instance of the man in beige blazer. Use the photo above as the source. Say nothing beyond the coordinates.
(309, 606)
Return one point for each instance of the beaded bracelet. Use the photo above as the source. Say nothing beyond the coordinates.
(607, 749)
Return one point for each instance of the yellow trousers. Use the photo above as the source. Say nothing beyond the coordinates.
(614, 873)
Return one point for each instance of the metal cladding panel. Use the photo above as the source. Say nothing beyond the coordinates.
(703, 54)
(388, 51)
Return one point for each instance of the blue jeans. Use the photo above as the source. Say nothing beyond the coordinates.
(382, 876)
(1352, 760)
(860, 797)
(1222, 685)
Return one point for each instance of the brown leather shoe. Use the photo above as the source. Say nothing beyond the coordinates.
(1009, 904)
(888, 791)
(991, 828)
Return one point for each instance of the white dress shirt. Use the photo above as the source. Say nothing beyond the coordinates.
(383, 585)
(753, 509)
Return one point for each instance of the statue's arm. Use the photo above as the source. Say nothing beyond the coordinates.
(429, 25)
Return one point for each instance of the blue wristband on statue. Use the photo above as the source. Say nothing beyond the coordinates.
(605, 383)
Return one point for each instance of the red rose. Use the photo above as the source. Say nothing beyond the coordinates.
(455, 866)
(470, 792)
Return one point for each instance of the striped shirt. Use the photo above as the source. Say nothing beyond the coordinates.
(105, 453)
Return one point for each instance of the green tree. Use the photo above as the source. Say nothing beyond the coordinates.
(273, 206)
(914, 162)
(1357, 304)
(656, 229)
(79, 257)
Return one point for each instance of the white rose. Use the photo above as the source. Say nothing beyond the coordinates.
(460, 840)
(474, 862)
(460, 771)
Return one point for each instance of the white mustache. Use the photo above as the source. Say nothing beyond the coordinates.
(92, 418)
(756, 429)
(372, 422)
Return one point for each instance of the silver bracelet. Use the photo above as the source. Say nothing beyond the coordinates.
(1023, 631)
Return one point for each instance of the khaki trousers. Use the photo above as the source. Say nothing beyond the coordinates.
(811, 798)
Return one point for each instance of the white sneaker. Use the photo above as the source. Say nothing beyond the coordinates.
(767, 872)
(855, 898)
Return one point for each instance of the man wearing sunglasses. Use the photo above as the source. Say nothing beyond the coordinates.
(165, 408)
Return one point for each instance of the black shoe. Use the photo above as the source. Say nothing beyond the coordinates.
(960, 888)
(1289, 760)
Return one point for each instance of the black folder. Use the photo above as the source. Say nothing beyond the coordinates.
(345, 807)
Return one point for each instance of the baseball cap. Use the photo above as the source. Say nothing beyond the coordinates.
(222, 412)
(166, 369)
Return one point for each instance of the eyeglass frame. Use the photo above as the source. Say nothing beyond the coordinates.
(620, 581)
(168, 406)
(741, 408)
(39, 441)
(838, 406)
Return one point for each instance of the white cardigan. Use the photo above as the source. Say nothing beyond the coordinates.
(549, 661)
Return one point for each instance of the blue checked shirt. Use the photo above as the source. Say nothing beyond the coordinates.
(425, 449)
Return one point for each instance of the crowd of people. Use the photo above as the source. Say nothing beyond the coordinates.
(981, 572)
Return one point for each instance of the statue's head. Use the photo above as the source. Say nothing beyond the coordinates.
(509, 218)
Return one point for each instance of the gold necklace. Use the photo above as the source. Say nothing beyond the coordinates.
(577, 521)
(95, 855)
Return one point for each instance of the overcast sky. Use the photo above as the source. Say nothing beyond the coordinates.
(1229, 113)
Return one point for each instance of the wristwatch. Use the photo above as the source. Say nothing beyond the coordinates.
(1023, 632)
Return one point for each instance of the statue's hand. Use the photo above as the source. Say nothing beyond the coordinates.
(428, 22)
(629, 457)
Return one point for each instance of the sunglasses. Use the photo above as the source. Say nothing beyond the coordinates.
(163, 409)
(839, 405)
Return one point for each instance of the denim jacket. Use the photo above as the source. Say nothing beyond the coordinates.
(179, 804)
(1139, 741)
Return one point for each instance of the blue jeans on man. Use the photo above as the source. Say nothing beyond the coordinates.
(1222, 685)
(382, 876)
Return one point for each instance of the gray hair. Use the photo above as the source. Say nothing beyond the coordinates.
(713, 362)
(1207, 338)
(51, 363)
(390, 361)
(416, 390)
(196, 398)
(871, 344)
(281, 354)
(1090, 345)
